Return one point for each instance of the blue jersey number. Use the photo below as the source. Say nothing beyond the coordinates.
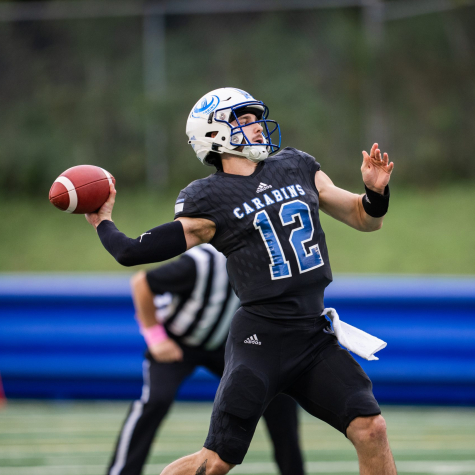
(279, 266)
(307, 261)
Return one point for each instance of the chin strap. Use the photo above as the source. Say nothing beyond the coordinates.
(257, 153)
(254, 153)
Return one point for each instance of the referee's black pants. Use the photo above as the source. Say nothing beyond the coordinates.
(161, 382)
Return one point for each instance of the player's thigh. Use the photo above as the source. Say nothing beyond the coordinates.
(236, 412)
(336, 389)
(249, 382)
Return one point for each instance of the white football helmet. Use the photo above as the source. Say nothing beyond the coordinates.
(215, 111)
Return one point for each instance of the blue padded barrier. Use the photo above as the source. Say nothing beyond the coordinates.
(74, 336)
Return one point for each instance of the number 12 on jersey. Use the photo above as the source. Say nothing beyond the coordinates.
(279, 267)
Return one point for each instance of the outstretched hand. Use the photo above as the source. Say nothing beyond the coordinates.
(105, 211)
(376, 170)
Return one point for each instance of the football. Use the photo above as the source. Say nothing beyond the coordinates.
(82, 189)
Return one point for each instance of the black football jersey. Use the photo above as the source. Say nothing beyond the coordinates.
(268, 227)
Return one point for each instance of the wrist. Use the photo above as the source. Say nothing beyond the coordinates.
(101, 218)
(100, 221)
(376, 204)
(154, 334)
(380, 191)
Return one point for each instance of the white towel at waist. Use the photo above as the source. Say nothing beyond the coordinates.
(359, 342)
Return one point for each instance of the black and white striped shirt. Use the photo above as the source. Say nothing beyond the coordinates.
(195, 302)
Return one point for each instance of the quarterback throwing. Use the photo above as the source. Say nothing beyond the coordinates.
(261, 210)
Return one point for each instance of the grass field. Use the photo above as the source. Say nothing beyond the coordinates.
(426, 232)
(71, 438)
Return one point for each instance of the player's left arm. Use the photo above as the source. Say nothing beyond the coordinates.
(348, 207)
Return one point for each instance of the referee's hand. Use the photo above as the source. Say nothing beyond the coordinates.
(167, 351)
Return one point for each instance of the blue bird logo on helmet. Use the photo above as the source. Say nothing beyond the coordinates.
(207, 105)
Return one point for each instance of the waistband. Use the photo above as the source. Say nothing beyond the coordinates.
(302, 321)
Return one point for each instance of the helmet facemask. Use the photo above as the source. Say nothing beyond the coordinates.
(238, 139)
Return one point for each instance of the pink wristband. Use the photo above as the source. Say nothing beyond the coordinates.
(154, 334)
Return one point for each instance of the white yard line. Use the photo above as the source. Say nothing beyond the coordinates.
(426, 467)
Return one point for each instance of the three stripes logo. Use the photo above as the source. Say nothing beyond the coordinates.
(262, 187)
(253, 340)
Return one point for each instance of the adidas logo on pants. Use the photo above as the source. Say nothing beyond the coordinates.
(252, 340)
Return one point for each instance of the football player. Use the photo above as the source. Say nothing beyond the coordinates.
(262, 213)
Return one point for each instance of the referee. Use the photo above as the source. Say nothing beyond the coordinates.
(184, 310)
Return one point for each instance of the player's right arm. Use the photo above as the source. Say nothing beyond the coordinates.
(197, 230)
(155, 245)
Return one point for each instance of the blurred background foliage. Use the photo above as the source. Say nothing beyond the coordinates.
(74, 91)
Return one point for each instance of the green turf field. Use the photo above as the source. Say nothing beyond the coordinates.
(70, 438)
(428, 232)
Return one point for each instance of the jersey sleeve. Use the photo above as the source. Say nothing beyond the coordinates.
(186, 206)
(177, 277)
(309, 163)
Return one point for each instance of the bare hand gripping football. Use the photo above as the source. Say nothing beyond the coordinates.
(105, 211)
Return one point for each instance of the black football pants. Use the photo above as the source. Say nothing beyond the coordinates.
(161, 382)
